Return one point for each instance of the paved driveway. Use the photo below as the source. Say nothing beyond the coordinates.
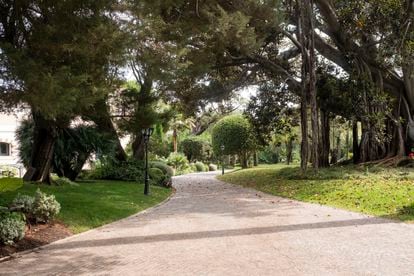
(212, 228)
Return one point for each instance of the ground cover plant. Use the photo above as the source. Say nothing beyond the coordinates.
(386, 192)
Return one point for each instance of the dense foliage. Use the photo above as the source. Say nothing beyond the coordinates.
(195, 148)
(12, 227)
(236, 135)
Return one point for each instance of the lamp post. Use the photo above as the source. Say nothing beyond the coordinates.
(146, 134)
(222, 159)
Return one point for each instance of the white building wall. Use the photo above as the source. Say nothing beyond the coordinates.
(8, 126)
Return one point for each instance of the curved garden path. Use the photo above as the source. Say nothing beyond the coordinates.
(212, 228)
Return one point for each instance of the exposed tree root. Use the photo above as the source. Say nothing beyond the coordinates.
(394, 161)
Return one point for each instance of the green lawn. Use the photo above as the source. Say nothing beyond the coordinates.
(10, 184)
(92, 204)
(376, 191)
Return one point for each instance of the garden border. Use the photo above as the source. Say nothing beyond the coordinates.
(25, 252)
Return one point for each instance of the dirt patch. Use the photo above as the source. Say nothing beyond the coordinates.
(36, 236)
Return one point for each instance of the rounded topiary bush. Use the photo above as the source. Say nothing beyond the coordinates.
(157, 176)
(200, 167)
(12, 228)
(167, 170)
(236, 134)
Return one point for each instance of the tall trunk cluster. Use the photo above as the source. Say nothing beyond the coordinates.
(308, 93)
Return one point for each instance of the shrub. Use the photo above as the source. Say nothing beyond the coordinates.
(157, 176)
(12, 227)
(178, 161)
(193, 167)
(130, 170)
(212, 167)
(167, 170)
(45, 207)
(200, 167)
(195, 148)
(24, 201)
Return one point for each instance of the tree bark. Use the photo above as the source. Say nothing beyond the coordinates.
(101, 116)
(325, 139)
(138, 150)
(355, 145)
(44, 138)
(312, 83)
(244, 160)
(289, 150)
(304, 152)
(175, 140)
(255, 159)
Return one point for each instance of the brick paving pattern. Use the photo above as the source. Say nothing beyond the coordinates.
(212, 228)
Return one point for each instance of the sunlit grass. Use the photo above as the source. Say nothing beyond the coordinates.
(92, 204)
(376, 191)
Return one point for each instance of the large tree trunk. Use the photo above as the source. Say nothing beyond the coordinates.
(325, 139)
(44, 138)
(102, 118)
(307, 42)
(355, 145)
(348, 51)
(312, 84)
(70, 170)
(304, 148)
(138, 148)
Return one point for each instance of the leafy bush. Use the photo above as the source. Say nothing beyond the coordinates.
(200, 167)
(193, 167)
(178, 160)
(195, 148)
(25, 202)
(45, 207)
(167, 170)
(72, 148)
(130, 170)
(235, 133)
(12, 227)
(157, 176)
(212, 167)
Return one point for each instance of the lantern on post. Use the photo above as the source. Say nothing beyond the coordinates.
(222, 159)
(146, 134)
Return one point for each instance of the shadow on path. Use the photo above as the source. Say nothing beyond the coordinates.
(216, 233)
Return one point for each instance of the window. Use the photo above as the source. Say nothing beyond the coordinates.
(4, 149)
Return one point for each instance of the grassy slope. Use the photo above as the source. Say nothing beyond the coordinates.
(92, 204)
(375, 191)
